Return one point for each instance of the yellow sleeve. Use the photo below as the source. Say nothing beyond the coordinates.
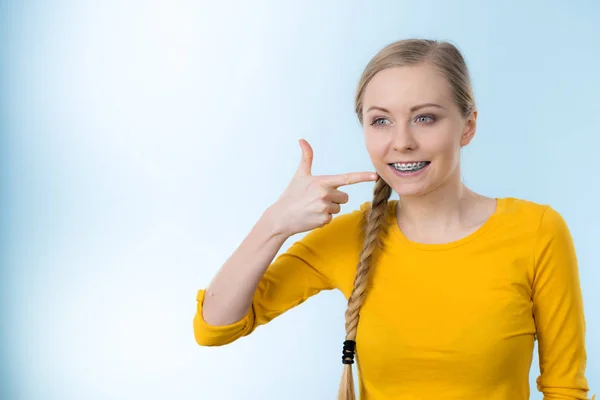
(306, 268)
(558, 312)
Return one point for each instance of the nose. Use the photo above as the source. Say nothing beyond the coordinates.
(403, 139)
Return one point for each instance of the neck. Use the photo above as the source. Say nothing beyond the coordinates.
(442, 208)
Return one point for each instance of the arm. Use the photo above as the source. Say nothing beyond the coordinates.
(249, 296)
(558, 312)
(229, 296)
(251, 288)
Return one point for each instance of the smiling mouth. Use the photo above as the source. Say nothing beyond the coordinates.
(410, 167)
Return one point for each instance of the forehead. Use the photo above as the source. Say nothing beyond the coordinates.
(404, 87)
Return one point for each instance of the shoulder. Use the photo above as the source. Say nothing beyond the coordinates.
(366, 206)
(523, 208)
(542, 218)
(341, 239)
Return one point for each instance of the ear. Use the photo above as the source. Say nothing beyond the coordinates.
(469, 130)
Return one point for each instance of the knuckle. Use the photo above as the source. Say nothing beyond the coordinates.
(323, 193)
(347, 179)
(324, 207)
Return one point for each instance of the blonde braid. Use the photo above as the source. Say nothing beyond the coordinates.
(374, 221)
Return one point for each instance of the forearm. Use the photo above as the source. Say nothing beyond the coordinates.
(229, 296)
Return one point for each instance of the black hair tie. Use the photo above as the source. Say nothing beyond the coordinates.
(348, 352)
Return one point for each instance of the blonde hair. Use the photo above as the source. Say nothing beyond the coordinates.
(450, 62)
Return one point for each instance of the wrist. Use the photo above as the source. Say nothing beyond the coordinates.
(272, 223)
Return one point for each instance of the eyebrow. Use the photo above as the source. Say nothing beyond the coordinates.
(412, 109)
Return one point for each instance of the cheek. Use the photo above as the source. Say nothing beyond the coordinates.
(446, 149)
(443, 145)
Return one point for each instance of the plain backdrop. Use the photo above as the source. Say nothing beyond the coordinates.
(141, 140)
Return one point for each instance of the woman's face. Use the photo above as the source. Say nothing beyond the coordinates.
(413, 129)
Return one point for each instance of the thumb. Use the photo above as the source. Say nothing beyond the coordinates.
(305, 167)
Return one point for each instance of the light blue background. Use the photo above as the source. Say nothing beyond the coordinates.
(141, 140)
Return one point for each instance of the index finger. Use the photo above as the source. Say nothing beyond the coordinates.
(351, 178)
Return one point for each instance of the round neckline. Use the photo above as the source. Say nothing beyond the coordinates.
(486, 226)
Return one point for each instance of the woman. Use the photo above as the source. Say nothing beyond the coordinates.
(447, 289)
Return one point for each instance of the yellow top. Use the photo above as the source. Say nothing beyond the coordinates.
(443, 321)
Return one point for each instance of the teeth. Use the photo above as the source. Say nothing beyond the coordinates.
(410, 166)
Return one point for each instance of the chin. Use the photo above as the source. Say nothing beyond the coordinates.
(407, 188)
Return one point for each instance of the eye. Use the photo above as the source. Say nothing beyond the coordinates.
(426, 119)
(380, 121)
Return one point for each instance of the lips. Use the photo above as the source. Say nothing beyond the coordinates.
(409, 166)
